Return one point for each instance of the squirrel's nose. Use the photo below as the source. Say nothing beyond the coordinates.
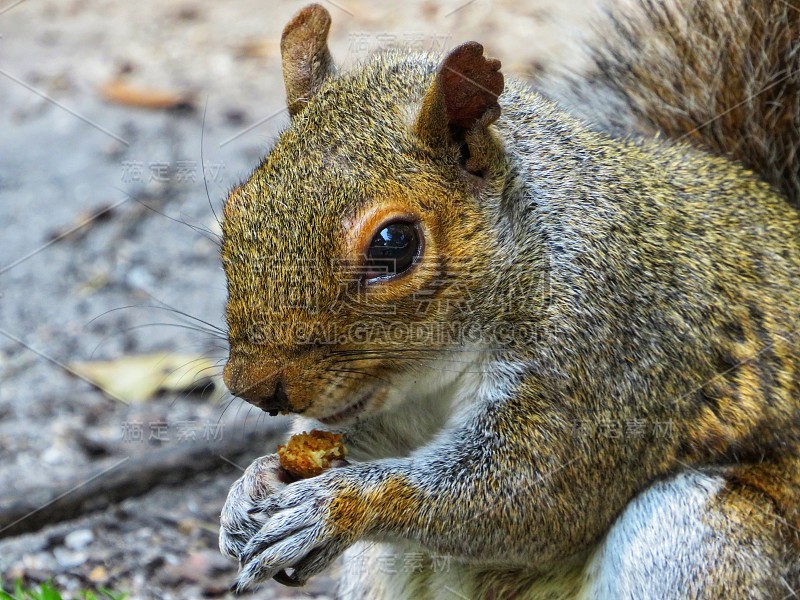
(272, 401)
(269, 395)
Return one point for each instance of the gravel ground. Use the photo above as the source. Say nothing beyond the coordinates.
(66, 154)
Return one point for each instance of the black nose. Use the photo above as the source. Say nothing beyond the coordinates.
(273, 403)
(270, 397)
(259, 385)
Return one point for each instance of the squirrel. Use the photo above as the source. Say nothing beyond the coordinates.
(556, 323)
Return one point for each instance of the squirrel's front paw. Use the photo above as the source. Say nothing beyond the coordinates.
(238, 521)
(306, 527)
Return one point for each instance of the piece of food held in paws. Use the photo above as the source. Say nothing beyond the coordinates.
(309, 454)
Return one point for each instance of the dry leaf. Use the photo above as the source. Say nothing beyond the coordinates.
(259, 48)
(139, 378)
(121, 92)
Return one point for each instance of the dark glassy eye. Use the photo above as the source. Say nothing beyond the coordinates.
(393, 250)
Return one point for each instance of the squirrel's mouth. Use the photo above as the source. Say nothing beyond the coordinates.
(349, 411)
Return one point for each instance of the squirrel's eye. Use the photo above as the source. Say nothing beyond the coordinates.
(393, 250)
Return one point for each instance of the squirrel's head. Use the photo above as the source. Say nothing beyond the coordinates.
(351, 249)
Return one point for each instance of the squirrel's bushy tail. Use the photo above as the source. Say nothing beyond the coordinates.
(724, 75)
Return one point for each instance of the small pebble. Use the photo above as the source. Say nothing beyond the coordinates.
(68, 559)
(79, 539)
(43, 561)
(98, 575)
(140, 278)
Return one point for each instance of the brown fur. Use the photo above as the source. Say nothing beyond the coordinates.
(723, 76)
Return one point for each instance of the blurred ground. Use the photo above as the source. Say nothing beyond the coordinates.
(66, 153)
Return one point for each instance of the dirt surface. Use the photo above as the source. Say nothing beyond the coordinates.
(67, 294)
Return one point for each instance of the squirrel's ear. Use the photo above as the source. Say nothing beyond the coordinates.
(461, 103)
(306, 59)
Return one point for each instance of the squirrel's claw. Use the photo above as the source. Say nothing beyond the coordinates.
(242, 515)
(300, 533)
(259, 565)
(284, 578)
